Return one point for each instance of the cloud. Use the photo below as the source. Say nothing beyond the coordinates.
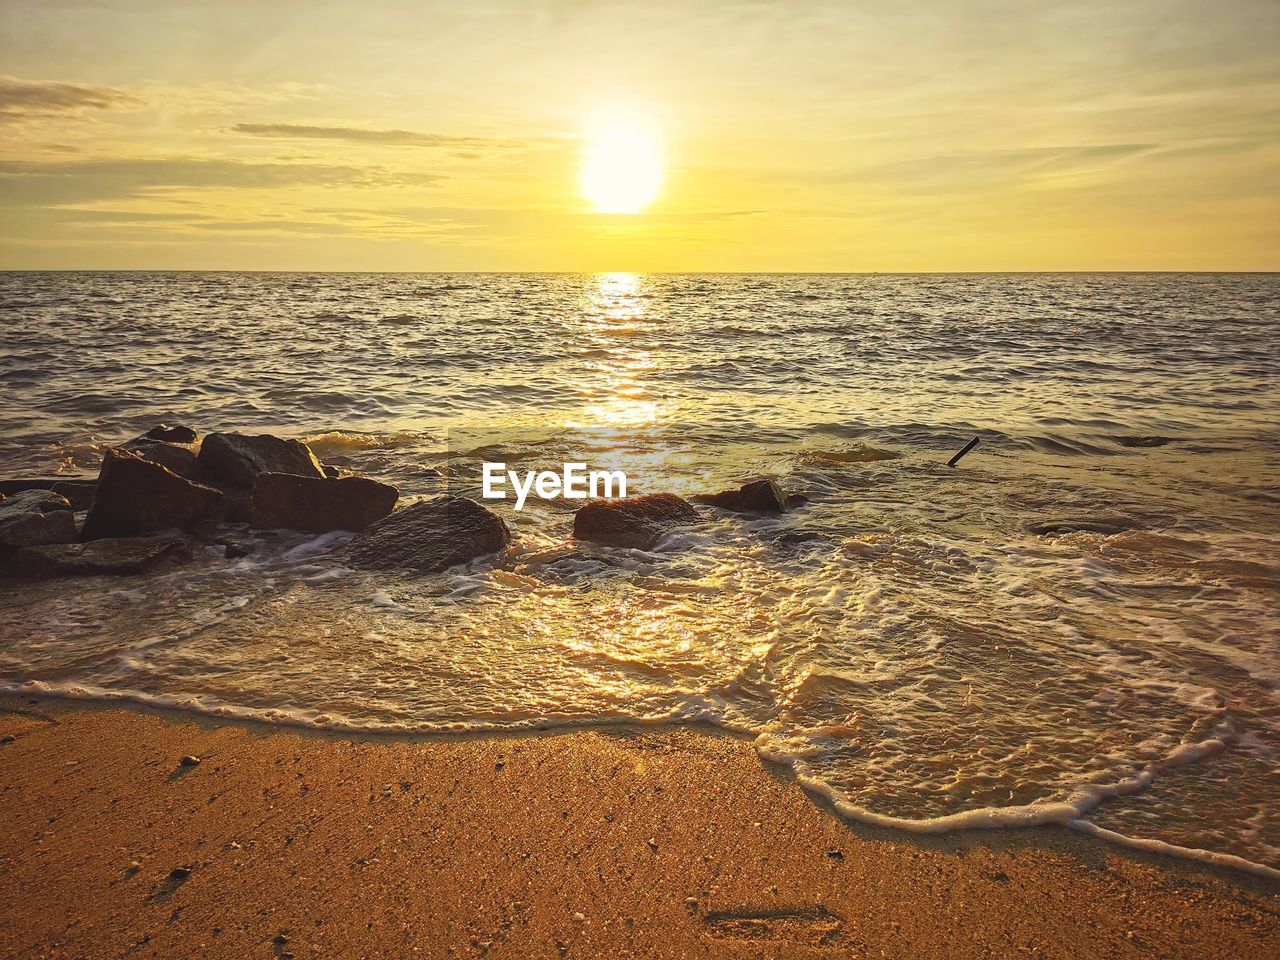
(400, 138)
(21, 99)
(32, 184)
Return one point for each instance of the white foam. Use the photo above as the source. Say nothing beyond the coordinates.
(1174, 850)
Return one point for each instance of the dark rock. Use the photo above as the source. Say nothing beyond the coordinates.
(78, 490)
(190, 760)
(138, 496)
(172, 434)
(235, 542)
(234, 549)
(1103, 525)
(430, 536)
(236, 460)
(237, 506)
(319, 505)
(32, 517)
(758, 496)
(79, 493)
(1141, 441)
(638, 522)
(331, 471)
(180, 458)
(129, 555)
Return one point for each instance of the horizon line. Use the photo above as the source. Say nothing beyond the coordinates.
(651, 273)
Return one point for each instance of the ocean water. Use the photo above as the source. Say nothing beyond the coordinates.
(1077, 625)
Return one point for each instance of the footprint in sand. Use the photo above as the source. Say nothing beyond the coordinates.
(810, 926)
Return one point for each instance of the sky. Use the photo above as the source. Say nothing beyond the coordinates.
(863, 135)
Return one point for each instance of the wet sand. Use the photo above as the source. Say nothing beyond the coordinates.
(611, 843)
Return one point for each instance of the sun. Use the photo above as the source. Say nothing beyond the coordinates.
(621, 165)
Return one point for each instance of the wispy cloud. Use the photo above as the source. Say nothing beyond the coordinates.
(400, 138)
(33, 184)
(23, 99)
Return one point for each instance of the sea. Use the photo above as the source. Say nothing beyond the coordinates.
(1076, 624)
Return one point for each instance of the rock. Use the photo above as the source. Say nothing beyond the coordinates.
(1143, 441)
(236, 460)
(179, 458)
(758, 496)
(1103, 525)
(78, 490)
(137, 496)
(320, 505)
(331, 471)
(234, 549)
(430, 536)
(237, 506)
(190, 760)
(130, 555)
(236, 543)
(638, 522)
(172, 434)
(34, 517)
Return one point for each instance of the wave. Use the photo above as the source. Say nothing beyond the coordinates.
(346, 441)
(1068, 812)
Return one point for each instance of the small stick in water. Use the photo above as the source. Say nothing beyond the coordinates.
(967, 447)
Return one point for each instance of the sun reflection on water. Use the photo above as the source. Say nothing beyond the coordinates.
(619, 370)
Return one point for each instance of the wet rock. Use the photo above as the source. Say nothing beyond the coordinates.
(234, 549)
(33, 517)
(78, 490)
(172, 434)
(320, 505)
(235, 541)
(236, 459)
(331, 471)
(758, 496)
(237, 506)
(137, 496)
(1103, 525)
(638, 522)
(430, 536)
(1143, 441)
(131, 555)
(176, 457)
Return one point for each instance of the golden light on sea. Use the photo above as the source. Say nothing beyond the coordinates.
(621, 164)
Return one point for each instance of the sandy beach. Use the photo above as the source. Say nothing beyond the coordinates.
(613, 842)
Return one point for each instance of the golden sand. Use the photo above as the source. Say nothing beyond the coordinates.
(608, 843)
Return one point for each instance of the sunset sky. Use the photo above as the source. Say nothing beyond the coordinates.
(845, 136)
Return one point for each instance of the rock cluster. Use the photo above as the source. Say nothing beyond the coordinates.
(160, 493)
(165, 482)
